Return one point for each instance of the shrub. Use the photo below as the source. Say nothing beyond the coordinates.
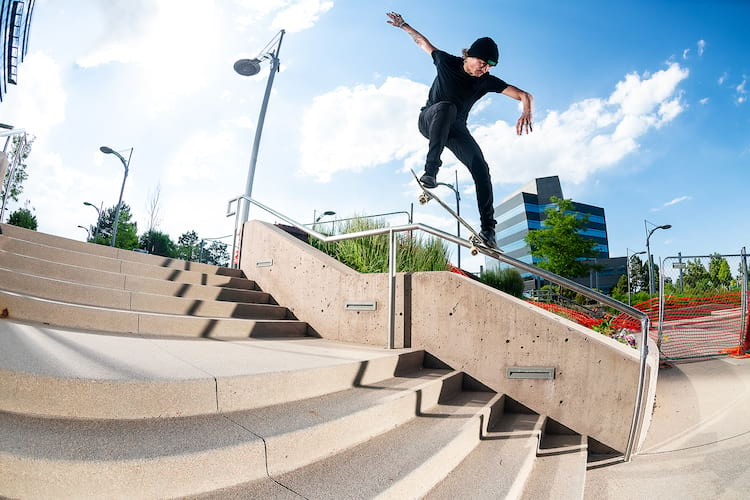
(506, 280)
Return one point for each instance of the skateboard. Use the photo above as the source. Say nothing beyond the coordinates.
(475, 240)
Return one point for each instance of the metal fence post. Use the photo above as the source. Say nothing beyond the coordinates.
(744, 340)
(391, 288)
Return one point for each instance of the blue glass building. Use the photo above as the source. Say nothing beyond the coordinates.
(524, 211)
(15, 20)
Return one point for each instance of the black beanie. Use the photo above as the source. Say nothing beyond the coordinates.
(485, 49)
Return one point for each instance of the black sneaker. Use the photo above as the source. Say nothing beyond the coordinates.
(428, 181)
(488, 236)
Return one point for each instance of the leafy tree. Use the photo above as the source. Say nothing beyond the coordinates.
(15, 185)
(188, 246)
(621, 288)
(216, 254)
(695, 275)
(158, 243)
(719, 271)
(127, 231)
(559, 242)
(638, 274)
(23, 217)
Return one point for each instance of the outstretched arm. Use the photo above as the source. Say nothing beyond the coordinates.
(528, 104)
(398, 21)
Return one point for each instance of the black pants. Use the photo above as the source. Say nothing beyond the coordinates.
(439, 125)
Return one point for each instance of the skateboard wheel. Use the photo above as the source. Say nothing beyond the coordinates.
(473, 251)
(423, 199)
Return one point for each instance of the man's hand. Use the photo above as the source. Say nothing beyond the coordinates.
(396, 19)
(524, 122)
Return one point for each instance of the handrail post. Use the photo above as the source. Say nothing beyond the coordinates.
(391, 288)
(637, 411)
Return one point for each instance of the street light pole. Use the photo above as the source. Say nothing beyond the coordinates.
(648, 251)
(250, 67)
(458, 212)
(98, 217)
(628, 257)
(126, 164)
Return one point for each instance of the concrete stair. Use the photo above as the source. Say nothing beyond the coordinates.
(129, 375)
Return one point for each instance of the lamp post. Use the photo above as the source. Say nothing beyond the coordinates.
(250, 67)
(454, 188)
(648, 251)
(88, 233)
(628, 257)
(98, 216)
(126, 164)
(324, 214)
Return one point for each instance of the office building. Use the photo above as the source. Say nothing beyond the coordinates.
(15, 20)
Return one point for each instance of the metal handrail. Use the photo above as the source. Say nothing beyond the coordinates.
(496, 254)
(16, 160)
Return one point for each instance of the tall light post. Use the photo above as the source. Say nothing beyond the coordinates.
(250, 67)
(88, 233)
(98, 216)
(126, 164)
(648, 251)
(454, 188)
(628, 257)
(324, 214)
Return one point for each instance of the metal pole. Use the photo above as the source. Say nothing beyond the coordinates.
(635, 426)
(458, 225)
(259, 128)
(391, 288)
(122, 190)
(627, 267)
(744, 340)
(662, 305)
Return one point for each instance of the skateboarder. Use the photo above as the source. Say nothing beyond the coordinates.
(460, 82)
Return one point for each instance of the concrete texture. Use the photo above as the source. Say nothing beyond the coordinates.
(698, 441)
(472, 327)
(58, 373)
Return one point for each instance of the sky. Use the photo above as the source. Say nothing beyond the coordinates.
(639, 107)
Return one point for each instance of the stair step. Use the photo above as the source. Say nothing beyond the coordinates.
(96, 262)
(403, 463)
(111, 252)
(75, 293)
(499, 465)
(56, 373)
(49, 453)
(74, 274)
(98, 319)
(560, 468)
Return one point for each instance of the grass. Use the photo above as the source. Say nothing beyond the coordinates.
(370, 254)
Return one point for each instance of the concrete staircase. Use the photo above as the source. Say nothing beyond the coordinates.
(131, 375)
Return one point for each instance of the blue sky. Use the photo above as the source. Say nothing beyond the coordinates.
(640, 107)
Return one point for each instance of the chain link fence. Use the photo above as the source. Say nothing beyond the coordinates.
(703, 306)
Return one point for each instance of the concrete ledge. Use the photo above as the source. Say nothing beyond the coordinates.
(470, 326)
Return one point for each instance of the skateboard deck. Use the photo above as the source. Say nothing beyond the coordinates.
(474, 239)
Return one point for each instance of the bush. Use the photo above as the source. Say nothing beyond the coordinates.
(370, 255)
(506, 280)
(23, 217)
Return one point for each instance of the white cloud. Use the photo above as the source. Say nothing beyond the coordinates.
(685, 53)
(741, 97)
(354, 128)
(723, 78)
(672, 203)
(349, 129)
(301, 15)
(701, 47)
(38, 103)
(704, 101)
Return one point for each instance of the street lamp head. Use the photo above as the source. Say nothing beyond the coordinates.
(107, 150)
(88, 204)
(665, 226)
(247, 67)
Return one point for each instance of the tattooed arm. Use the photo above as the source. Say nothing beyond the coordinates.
(398, 21)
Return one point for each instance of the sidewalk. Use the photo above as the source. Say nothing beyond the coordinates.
(698, 446)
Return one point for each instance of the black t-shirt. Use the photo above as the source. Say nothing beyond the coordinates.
(455, 85)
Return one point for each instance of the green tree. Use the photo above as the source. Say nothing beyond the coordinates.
(158, 243)
(23, 217)
(188, 246)
(559, 243)
(127, 231)
(719, 271)
(621, 287)
(14, 186)
(695, 275)
(638, 274)
(216, 254)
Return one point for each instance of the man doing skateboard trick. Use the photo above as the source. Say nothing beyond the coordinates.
(461, 82)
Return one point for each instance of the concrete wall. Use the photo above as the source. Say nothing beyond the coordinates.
(472, 327)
